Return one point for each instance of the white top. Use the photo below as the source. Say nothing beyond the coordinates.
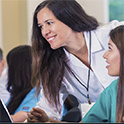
(99, 78)
(4, 94)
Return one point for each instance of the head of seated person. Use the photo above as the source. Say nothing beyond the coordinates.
(19, 61)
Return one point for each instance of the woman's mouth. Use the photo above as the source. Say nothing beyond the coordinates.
(108, 65)
(50, 39)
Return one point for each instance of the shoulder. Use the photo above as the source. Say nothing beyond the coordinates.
(102, 32)
(112, 88)
(31, 94)
(105, 28)
(111, 25)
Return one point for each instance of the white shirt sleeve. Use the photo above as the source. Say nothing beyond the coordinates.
(4, 94)
(50, 110)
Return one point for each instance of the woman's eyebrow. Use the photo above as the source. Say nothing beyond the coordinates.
(44, 21)
(109, 44)
(48, 20)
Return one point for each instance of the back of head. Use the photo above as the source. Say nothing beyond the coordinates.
(1, 54)
(19, 62)
(19, 67)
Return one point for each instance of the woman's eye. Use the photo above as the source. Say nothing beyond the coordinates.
(41, 26)
(109, 48)
(49, 23)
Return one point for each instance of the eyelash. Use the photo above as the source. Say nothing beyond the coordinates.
(109, 48)
(49, 23)
(41, 26)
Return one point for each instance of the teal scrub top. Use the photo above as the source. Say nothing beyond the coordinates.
(104, 110)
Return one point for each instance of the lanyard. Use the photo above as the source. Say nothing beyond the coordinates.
(88, 79)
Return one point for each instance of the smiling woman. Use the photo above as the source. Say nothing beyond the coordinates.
(67, 48)
(51, 29)
(16, 20)
(112, 57)
(110, 105)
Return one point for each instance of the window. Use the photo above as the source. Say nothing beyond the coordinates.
(116, 10)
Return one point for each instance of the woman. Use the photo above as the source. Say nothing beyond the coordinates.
(22, 95)
(67, 55)
(110, 106)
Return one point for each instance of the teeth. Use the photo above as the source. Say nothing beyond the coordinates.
(107, 64)
(51, 38)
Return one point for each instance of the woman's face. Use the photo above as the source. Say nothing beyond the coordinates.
(112, 56)
(54, 31)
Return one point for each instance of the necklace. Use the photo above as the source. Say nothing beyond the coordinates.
(88, 79)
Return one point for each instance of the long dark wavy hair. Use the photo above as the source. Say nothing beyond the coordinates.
(19, 62)
(117, 36)
(48, 64)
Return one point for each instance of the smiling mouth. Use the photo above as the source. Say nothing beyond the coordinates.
(107, 65)
(50, 38)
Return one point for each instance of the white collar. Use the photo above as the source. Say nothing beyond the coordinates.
(95, 47)
(95, 42)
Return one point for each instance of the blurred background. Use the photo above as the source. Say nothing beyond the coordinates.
(16, 18)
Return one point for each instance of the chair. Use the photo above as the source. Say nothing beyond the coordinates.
(73, 114)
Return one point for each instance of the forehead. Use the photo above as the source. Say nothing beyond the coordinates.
(45, 14)
(111, 43)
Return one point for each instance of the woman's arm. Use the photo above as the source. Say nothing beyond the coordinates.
(38, 115)
(20, 116)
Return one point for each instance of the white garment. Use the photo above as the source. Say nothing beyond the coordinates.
(99, 78)
(4, 94)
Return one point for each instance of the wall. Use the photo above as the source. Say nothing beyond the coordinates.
(14, 24)
(16, 19)
(97, 8)
(31, 5)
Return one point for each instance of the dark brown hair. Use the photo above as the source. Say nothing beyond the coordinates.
(48, 64)
(19, 62)
(117, 36)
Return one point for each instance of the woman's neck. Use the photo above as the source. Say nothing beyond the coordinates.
(79, 48)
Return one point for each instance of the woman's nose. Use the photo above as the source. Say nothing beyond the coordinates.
(45, 31)
(105, 55)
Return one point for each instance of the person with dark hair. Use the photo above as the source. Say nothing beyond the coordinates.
(4, 94)
(22, 94)
(67, 47)
(110, 106)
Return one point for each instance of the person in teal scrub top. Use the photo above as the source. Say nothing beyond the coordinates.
(110, 105)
